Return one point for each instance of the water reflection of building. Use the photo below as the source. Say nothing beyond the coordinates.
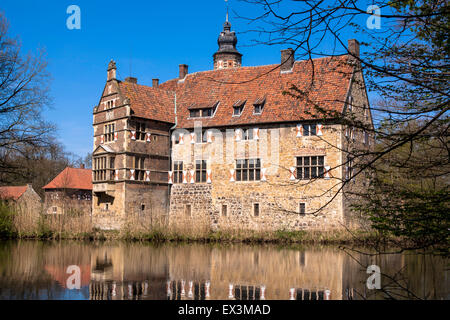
(36, 270)
(198, 272)
(127, 272)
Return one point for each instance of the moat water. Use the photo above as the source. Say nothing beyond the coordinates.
(125, 271)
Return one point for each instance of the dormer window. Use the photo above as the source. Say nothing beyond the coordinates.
(259, 105)
(238, 107)
(194, 113)
(198, 111)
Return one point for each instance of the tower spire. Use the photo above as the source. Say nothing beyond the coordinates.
(227, 56)
(226, 1)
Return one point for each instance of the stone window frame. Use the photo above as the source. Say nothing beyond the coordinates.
(102, 167)
(239, 171)
(178, 171)
(138, 164)
(300, 173)
(140, 127)
(188, 212)
(248, 134)
(300, 211)
(309, 129)
(201, 172)
(110, 128)
(202, 137)
(349, 168)
(222, 211)
(256, 213)
(178, 167)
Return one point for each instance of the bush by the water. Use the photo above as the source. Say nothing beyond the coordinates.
(6, 221)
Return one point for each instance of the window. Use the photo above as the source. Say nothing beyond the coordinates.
(259, 105)
(142, 207)
(238, 107)
(194, 113)
(103, 168)
(350, 104)
(188, 210)
(110, 104)
(55, 209)
(109, 132)
(366, 137)
(138, 165)
(248, 170)
(256, 209)
(176, 137)
(200, 171)
(310, 167)
(140, 131)
(349, 168)
(302, 208)
(224, 210)
(366, 113)
(237, 111)
(203, 112)
(100, 169)
(248, 134)
(309, 130)
(258, 108)
(178, 172)
(201, 137)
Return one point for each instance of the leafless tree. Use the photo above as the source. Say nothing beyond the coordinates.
(24, 93)
(406, 67)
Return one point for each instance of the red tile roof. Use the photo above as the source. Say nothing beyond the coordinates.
(7, 193)
(149, 102)
(331, 82)
(72, 178)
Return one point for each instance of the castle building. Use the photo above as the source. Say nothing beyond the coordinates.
(234, 147)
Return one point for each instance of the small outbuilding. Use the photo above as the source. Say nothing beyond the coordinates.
(69, 191)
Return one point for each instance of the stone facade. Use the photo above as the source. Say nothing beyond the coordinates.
(278, 197)
(68, 201)
(142, 135)
(130, 161)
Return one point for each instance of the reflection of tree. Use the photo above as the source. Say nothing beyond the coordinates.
(403, 276)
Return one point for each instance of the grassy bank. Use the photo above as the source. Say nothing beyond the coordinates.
(76, 226)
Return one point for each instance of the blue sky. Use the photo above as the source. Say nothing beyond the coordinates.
(151, 37)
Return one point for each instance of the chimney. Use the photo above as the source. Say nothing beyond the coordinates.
(353, 49)
(287, 59)
(82, 166)
(183, 71)
(155, 83)
(131, 80)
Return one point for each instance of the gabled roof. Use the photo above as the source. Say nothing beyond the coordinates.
(72, 178)
(148, 102)
(332, 76)
(14, 193)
